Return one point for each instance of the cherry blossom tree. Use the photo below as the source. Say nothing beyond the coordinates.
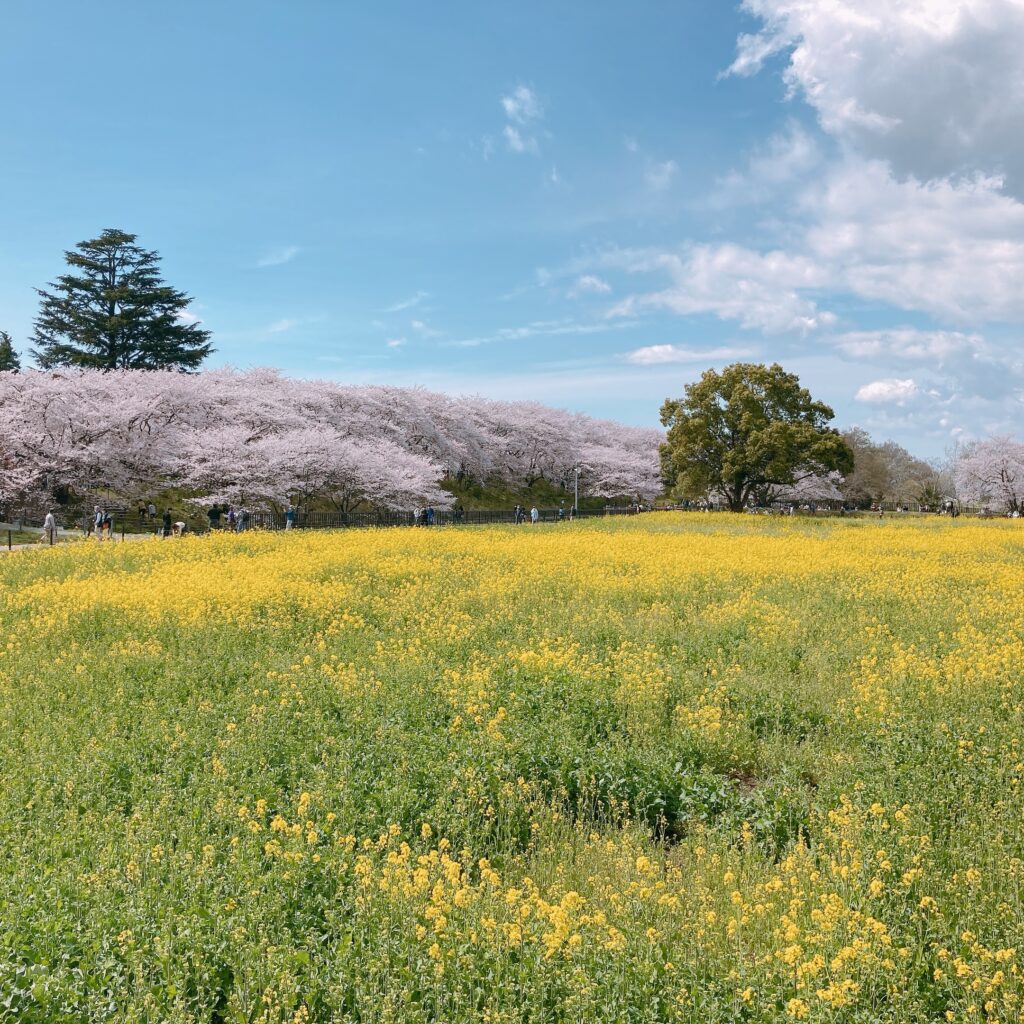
(262, 438)
(992, 471)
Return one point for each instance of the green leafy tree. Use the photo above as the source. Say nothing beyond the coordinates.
(746, 430)
(8, 357)
(113, 311)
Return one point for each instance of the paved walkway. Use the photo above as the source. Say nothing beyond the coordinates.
(63, 537)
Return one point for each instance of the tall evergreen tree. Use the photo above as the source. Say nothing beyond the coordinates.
(8, 357)
(113, 311)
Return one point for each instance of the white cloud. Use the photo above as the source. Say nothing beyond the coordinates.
(524, 111)
(395, 342)
(761, 291)
(632, 146)
(659, 174)
(281, 326)
(786, 157)
(522, 105)
(954, 363)
(953, 248)
(186, 316)
(424, 330)
(589, 284)
(279, 256)
(409, 303)
(934, 86)
(543, 327)
(519, 143)
(653, 355)
(888, 391)
(909, 344)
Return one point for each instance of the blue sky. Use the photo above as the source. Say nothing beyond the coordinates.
(586, 204)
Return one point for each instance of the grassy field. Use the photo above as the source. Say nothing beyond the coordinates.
(680, 767)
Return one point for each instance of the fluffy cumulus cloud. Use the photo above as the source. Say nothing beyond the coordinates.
(935, 87)
(891, 390)
(954, 249)
(763, 291)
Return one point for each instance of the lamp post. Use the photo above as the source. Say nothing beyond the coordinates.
(576, 489)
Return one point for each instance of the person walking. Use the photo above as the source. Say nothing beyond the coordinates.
(97, 521)
(534, 516)
(50, 528)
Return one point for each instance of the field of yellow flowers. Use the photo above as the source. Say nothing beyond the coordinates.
(677, 768)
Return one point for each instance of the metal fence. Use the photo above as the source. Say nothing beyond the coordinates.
(441, 517)
(269, 520)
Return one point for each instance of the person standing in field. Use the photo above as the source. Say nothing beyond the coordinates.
(534, 516)
(50, 527)
(152, 512)
(289, 517)
(214, 516)
(97, 520)
(167, 523)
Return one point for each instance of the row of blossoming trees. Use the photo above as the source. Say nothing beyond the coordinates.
(258, 437)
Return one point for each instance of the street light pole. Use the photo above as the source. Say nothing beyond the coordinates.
(576, 489)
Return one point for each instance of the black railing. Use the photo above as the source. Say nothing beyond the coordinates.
(265, 520)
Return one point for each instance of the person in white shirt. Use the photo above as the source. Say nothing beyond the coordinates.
(534, 515)
(50, 528)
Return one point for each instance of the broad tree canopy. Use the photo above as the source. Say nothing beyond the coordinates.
(746, 430)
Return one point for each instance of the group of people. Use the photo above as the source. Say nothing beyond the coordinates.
(227, 517)
(237, 520)
(102, 523)
(520, 515)
(423, 516)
